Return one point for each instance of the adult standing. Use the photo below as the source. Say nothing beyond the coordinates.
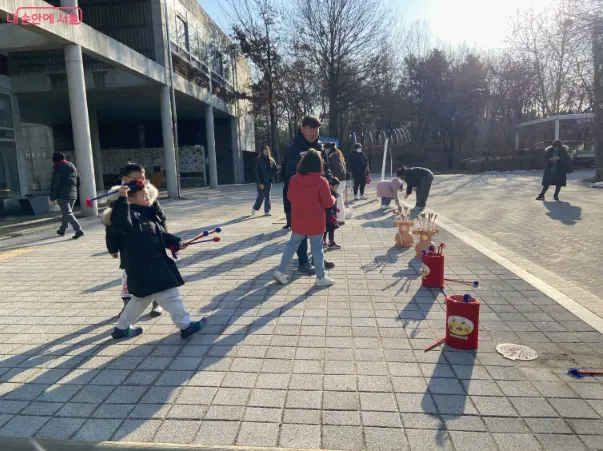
(305, 139)
(359, 170)
(63, 189)
(336, 163)
(265, 167)
(557, 165)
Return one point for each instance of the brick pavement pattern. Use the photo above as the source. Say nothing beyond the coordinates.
(289, 366)
(561, 237)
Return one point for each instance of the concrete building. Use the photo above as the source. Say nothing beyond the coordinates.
(99, 91)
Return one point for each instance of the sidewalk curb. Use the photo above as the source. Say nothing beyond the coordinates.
(35, 444)
(487, 247)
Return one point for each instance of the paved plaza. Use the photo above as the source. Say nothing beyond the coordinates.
(297, 367)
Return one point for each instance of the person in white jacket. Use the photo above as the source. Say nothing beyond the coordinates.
(388, 190)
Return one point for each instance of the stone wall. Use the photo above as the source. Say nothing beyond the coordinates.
(38, 147)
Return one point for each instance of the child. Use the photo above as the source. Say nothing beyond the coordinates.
(420, 180)
(151, 273)
(332, 222)
(131, 173)
(310, 196)
(388, 190)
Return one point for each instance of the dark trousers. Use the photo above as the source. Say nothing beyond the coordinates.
(545, 188)
(330, 232)
(263, 196)
(287, 204)
(67, 216)
(359, 183)
(423, 191)
(302, 250)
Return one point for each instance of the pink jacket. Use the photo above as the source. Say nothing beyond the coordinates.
(389, 188)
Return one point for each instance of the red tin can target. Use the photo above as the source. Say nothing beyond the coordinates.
(462, 322)
(432, 271)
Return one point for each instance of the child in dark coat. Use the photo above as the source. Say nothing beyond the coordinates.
(332, 222)
(151, 273)
(133, 173)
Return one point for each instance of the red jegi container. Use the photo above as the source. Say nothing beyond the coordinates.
(462, 322)
(432, 272)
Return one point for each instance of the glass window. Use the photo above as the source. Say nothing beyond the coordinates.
(9, 171)
(6, 111)
(218, 63)
(182, 29)
(194, 40)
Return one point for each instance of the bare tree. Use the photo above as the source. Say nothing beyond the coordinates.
(340, 38)
(257, 28)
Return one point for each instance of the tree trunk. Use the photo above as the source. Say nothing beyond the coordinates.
(333, 107)
(273, 141)
(598, 106)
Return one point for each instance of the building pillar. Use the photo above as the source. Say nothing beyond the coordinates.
(556, 129)
(236, 152)
(80, 126)
(168, 143)
(19, 147)
(211, 147)
(96, 150)
(517, 140)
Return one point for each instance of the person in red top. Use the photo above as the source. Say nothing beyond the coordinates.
(310, 196)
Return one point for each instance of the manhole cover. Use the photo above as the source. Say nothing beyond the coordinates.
(516, 352)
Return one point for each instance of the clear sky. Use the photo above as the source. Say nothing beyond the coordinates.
(483, 23)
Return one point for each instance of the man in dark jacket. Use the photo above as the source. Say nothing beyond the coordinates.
(557, 164)
(306, 139)
(420, 180)
(359, 170)
(63, 190)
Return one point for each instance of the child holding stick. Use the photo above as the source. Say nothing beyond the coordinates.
(131, 173)
(151, 273)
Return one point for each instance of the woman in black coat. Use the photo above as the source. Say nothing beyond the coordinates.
(265, 168)
(556, 167)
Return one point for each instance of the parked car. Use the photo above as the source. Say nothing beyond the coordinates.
(585, 156)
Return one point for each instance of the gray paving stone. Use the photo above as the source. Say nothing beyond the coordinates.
(303, 399)
(92, 394)
(573, 408)
(429, 440)
(267, 398)
(127, 394)
(587, 427)
(378, 402)
(513, 442)
(466, 441)
(385, 439)
(341, 417)
(381, 419)
(8, 407)
(258, 434)
(60, 428)
(342, 437)
(184, 412)
(554, 389)
(557, 442)
(137, 431)
(306, 382)
(533, 407)
(263, 414)
(23, 426)
(42, 408)
(503, 425)
(110, 377)
(97, 430)
(234, 412)
(77, 410)
(195, 395)
(217, 433)
(333, 400)
(464, 423)
(588, 391)
(148, 411)
(301, 416)
(231, 396)
(273, 381)
(454, 405)
(299, 436)
(493, 406)
(548, 426)
(177, 431)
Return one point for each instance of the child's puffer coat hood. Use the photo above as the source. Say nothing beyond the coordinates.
(153, 195)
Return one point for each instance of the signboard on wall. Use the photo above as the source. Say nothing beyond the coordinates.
(328, 139)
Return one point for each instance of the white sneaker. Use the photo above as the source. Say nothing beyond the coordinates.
(267, 214)
(279, 277)
(356, 197)
(363, 197)
(253, 212)
(324, 282)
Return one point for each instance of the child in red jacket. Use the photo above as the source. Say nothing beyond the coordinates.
(310, 196)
